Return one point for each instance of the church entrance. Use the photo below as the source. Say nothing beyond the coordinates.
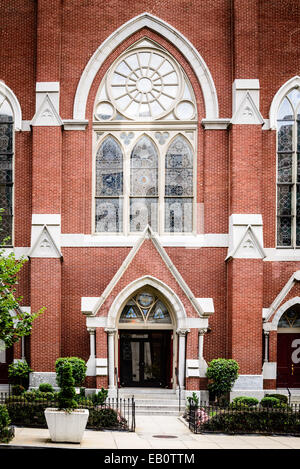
(288, 348)
(288, 361)
(146, 341)
(145, 358)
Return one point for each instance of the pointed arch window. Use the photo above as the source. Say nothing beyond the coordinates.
(288, 171)
(109, 187)
(6, 169)
(145, 110)
(145, 307)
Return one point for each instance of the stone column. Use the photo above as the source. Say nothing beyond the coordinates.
(181, 355)
(111, 357)
(266, 358)
(91, 364)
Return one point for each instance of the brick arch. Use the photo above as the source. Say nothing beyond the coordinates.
(155, 24)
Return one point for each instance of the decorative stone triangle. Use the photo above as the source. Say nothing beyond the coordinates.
(147, 235)
(45, 246)
(249, 247)
(247, 112)
(46, 115)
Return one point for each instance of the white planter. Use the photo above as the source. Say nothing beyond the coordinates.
(66, 426)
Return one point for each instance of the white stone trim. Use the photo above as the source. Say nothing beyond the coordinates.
(281, 93)
(270, 370)
(47, 113)
(247, 112)
(101, 367)
(167, 31)
(248, 382)
(45, 245)
(282, 254)
(215, 124)
(103, 240)
(88, 304)
(14, 103)
(246, 236)
(240, 89)
(282, 309)
(73, 124)
(280, 297)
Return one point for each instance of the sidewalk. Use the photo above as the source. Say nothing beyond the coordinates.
(155, 432)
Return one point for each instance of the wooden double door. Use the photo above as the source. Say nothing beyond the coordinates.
(288, 360)
(145, 358)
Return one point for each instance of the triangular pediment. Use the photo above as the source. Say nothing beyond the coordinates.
(249, 247)
(247, 112)
(45, 246)
(147, 257)
(46, 115)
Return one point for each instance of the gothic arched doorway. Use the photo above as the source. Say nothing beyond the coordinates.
(146, 341)
(288, 348)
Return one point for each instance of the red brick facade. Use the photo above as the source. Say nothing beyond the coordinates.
(50, 42)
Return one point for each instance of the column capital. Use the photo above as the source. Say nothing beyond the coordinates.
(202, 331)
(182, 332)
(111, 331)
(91, 330)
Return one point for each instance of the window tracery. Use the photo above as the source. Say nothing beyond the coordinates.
(6, 168)
(288, 171)
(146, 106)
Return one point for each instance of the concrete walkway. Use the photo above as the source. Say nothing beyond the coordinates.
(154, 433)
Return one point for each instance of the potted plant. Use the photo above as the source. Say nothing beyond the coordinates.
(66, 423)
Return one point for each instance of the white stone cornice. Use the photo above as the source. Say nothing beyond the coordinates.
(216, 124)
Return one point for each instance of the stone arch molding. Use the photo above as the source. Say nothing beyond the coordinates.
(167, 31)
(15, 105)
(281, 93)
(282, 309)
(178, 309)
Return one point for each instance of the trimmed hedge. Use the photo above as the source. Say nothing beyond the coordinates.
(244, 401)
(254, 421)
(31, 413)
(78, 369)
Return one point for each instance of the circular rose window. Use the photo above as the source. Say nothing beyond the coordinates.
(145, 85)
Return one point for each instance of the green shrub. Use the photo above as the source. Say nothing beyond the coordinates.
(67, 394)
(254, 420)
(18, 372)
(100, 397)
(270, 402)
(17, 389)
(222, 374)
(78, 367)
(46, 387)
(6, 433)
(244, 401)
(105, 417)
(283, 399)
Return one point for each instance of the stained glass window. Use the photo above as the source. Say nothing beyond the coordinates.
(145, 155)
(109, 187)
(145, 307)
(179, 187)
(6, 169)
(288, 171)
(291, 317)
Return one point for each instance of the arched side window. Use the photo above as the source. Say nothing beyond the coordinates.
(6, 169)
(146, 105)
(109, 187)
(288, 171)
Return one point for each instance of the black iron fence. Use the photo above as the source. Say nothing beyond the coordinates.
(113, 414)
(283, 419)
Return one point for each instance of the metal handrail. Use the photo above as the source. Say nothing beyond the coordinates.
(289, 393)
